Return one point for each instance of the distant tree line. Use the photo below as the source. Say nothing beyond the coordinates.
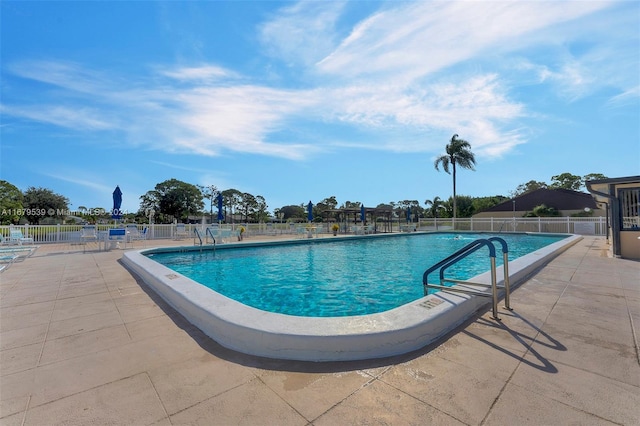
(181, 201)
(561, 181)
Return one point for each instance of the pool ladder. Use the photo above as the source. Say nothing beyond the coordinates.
(461, 254)
(206, 235)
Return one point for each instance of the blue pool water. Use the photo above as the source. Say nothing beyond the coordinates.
(338, 278)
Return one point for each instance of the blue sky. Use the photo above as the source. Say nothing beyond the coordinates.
(302, 101)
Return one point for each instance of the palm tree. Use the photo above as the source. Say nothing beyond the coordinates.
(458, 152)
(435, 205)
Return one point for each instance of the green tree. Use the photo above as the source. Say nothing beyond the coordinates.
(465, 206)
(434, 205)
(261, 213)
(523, 188)
(173, 198)
(458, 153)
(323, 206)
(350, 205)
(293, 212)
(566, 181)
(231, 199)
(543, 211)
(329, 203)
(404, 205)
(483, 203)
(210, 193)
(43, 202)
(11, 199)
(151, 201)
(248, 205)
(593, 176)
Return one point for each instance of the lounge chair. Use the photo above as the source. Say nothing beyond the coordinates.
(7, 260)
(357, 229)
(114, 237)
(221, 234)
(16, 237)
(270, 229)
(212, 231)
(88, 234)
(301, 232)
(228, 234)
(181, 231)
(21, 251)
(134, 234)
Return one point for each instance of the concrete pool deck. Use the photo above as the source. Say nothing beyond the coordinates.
(83, 342)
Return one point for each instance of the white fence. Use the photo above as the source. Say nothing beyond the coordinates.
(42, 234)
(562, 225)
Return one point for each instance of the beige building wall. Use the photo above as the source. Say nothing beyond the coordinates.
(630, 244)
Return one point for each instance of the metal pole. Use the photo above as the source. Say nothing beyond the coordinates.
(507, 289)
(494, 289)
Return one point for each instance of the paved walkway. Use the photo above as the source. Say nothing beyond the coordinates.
(82, 342)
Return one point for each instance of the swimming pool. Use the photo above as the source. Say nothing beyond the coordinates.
(257, 332)
(337, 278)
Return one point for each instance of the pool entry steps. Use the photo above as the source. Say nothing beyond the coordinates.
(463, 285)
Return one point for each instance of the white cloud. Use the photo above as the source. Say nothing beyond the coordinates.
(302, 33)
(419, 38)
(64, 74)
(412, 68)
(476, 106)
(70, 117)
(199, 73)
(80, 178)
(628, 97)
(205, 117)
(238, 118)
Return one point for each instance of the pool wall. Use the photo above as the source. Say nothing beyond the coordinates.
(256, 332)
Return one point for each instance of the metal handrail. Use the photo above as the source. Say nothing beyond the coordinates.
(195, 231)
(475, 245)
(209, 232)
(505, 269)
(463, 253)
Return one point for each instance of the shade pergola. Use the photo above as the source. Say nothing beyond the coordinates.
(353, 215)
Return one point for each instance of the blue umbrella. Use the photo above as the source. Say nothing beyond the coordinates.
(362, 213)
(117, 203)
(310, 211)
(220, 215)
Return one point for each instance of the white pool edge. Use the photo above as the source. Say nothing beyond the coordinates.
(256, 332)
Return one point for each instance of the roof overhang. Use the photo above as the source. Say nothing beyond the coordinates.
(599, 188)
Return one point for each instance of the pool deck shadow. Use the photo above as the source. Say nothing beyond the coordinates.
(83, 341)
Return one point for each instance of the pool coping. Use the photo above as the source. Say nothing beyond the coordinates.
(256, 332)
